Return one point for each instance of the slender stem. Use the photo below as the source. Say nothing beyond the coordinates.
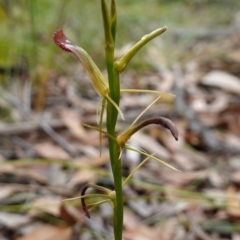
(112, 115)
(114, 149)
(113, 19)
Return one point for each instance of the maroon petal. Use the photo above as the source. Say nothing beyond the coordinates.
(62, 41)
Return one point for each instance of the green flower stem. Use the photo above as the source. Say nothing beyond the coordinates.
(114, 149)
(113, 19)
(112, 115)
(106, 23)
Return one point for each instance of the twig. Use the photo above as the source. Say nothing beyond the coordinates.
(27, 126)
(57, 138)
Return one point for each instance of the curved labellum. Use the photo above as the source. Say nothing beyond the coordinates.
(98, 81)
(164, 122)
(61, 40)
(167, 123)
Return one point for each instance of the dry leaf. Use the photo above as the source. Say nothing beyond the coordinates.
(6, 191)
(47, 204)
(183, 178)
(51, 151)
(66, 213)
(141, 232)
(236, 236)
(223, 80)
(93, 161)
(235, 177)
(168, 230)
(81, 176)
(233, 201)
(216, 179)
(72, 121)
(48, 232)
(130, 220)
(12, 220)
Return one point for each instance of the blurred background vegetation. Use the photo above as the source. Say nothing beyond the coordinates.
(27, 26)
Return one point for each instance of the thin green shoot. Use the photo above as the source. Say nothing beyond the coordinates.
(103, 104)
(90, 195)
(140, 115)
(99, 130)
(136, 169)
(115, 105)
(151, 156)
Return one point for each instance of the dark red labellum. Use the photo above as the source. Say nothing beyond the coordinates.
(62, 41)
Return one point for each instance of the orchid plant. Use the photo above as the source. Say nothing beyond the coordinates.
(110, 92)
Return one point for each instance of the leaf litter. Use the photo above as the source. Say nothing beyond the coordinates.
(38, 170)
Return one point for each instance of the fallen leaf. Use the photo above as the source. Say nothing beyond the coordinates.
(92, 161)
(72, 121)
(169, 229)
(66, 213)
(235, 177)
(51, 151)
(141, 232)
(12, 220)
(216, 179)
(130, 220)
(46, 204)
(236, 236)
(81, 176)
(233, 201)
(223, 80)
(183, 178)
(6, 191)
(48, 232)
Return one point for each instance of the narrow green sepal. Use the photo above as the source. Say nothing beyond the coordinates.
(121, 64)
(153, 157)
